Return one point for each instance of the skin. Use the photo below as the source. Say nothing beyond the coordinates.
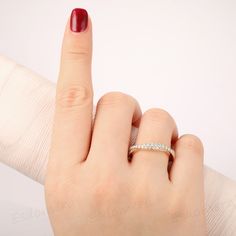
(91, 188)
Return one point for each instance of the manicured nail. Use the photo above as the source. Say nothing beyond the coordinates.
(78, 20)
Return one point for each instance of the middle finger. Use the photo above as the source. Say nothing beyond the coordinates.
(115, 114)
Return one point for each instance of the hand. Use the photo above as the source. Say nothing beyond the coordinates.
(91, 188)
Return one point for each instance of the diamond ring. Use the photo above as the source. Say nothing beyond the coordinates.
(152, 147)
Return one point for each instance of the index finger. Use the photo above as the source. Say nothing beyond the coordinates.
(74, 95)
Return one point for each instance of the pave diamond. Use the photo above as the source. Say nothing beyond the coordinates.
(152, 147)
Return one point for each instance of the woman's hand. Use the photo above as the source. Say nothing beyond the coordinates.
(91, 188)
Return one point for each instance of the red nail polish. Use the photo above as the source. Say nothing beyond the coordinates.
(78, 20)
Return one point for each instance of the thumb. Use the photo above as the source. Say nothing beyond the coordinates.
(74, 96)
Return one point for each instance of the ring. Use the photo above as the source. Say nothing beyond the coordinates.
(152, 147)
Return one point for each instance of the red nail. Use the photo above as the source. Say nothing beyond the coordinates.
(78, 20)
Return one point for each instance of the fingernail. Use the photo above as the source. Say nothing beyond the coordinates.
(78, 20)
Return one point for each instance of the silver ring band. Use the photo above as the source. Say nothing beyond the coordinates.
(152, 147)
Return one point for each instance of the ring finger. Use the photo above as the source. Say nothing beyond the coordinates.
(156, 126)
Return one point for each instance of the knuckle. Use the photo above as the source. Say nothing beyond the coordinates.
(114, 99)
(58, 195)
(141, 199)
(106, 196)
(177, 207)
(106, 189)
(158, 115)
(180, 208)
(77, 52)
(76, 55)
(143, 193)
(192, 142)
(74, 96)
(101, 192)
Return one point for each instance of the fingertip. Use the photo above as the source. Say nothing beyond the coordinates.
(78, 20)
(191, 143)
(78, 33)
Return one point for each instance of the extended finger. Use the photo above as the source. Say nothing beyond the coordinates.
(74, 96)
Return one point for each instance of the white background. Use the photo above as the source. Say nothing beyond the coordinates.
(177, 55)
